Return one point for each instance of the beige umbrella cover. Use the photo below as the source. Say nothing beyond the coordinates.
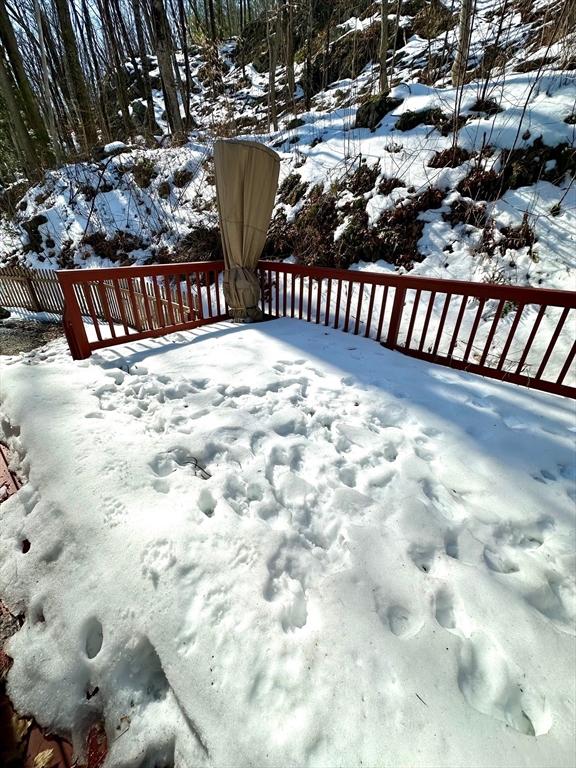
(246, 184)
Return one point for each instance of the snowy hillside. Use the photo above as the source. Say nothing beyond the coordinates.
(494, 200)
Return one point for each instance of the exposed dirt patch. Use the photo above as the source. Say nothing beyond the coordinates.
(25, 335)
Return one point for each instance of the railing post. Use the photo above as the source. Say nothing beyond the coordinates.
(73, 324)
(396, 318)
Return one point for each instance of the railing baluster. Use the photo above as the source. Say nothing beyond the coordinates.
(208, 287)
(170, 299)
(328, 297)
(531, 338)
(180, 300)
(413, 319)
(309, 299)
(382, 312)
(292, 295)
(348, 304)
(87, 291)
(301, 298)
(284, 296)
(318, 301)
(517, 317)
(396, 319)
(359, 309)
(370, 308)
(147, 310)
(120, 305)
(217, 291)
(199, 295)
(492, 331)
(338, 299)
(552, 344)
(277, 303)
(106, 308)
(133, 303)
(567, 364)
(441, 324)
(427, 320)
(191, 308)
(456, 329)
(475, 325)
(159, 308)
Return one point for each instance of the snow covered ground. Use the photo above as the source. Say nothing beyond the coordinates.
(279, 545)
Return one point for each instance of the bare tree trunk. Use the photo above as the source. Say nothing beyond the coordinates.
(122, 93)
(24, 95)
(184, 36)
(46, 83)
(272, 39)
(164, 53)
(150, 118)
(290, 53)
(308, 89)
(17, 129)
(464, 34)
(383, 82)
(212, 20)
(76, 76)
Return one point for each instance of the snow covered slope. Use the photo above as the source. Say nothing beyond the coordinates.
(281, 545)
(493, 201)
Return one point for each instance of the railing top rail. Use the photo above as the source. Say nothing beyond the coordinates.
(517, 293)
(71, 276)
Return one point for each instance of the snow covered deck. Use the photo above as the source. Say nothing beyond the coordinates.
(374, 569)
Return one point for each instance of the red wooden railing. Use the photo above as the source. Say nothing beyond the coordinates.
(132, 303)
(517, 334)
(438, 320)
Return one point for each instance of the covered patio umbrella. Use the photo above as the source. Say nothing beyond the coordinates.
(246, 184)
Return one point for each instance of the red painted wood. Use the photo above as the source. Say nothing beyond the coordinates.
(427, 320)
(492, 331)
(552, 343)
(159, 308)
(145, 299)
(370, 310)
(134, 305)
(382, 312)
(199, 295)
(396, 319)
(328, 297)
(192, 309)
(456, 329)
(87, 291)
(120, 305)
(566, 365)
(338, 300)
(413, 318)
(277, 276)
(359, 309)
(472, 336)
(441, 324)
(348, 303)
(531, 338)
